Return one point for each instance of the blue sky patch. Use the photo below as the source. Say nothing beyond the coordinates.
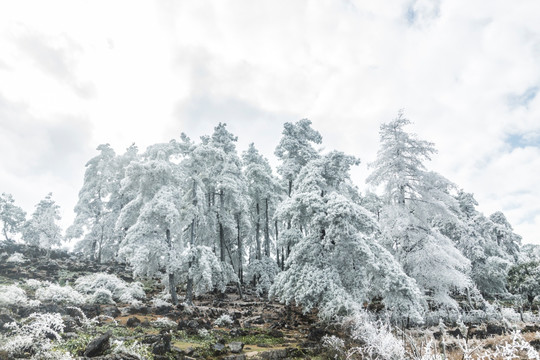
(523, 99)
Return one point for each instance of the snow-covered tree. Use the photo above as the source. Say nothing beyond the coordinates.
(475, 236)
(228, 196)
(336, 263)
(152, 217)
(295, 150)
(524, 279)
(42, 229)
(264, 193)
(414, 199)
(504, 234)
(202, 271)
(11, 216)
(95, 219)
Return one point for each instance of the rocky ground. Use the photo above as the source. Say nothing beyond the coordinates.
(258, 328)
(219, 325)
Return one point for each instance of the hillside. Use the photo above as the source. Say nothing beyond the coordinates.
(249, 327)
(219, 325)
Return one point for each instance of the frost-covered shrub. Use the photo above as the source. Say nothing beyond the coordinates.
(380, 342)
(518, 348)
(158, 302)
(102, 297)
(35, 284)
(263, 273)
(121, 291)
(33, 336)
(139, 351)
(206, 270)
(510, 315)
(372, 339)
(12, 295)
(60, 294)
(224, 320)
(164, 323)
(16, 258)
(86, 323)
(204, 333)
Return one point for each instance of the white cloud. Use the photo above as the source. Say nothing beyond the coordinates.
(466, 73)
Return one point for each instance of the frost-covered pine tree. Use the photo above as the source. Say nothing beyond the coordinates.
(413, 198)
(95, 219)
(42, 229)
(336, 263)
(264, 193)
(202, 270)
(11, 216)
(228, 196)
(295, 150)
(475, 236)
(152, 217)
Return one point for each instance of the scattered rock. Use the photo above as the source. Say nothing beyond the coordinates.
(89, 310)
(455, 333)
(237, 332)
(535, 344)
(477, 333)
(163, 345)
(493, 329)
(219, 348)
(531, 328)
(133, 322)
(276, 333)
(235, 357)
(111, 311)
(274, 355)
(236, 347)
(191, 326)
(316, 333)
(138, 310)
(99, 345)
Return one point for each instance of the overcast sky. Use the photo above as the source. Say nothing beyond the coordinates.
(75, 74)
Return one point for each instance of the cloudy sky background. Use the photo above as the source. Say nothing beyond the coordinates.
(75, 74)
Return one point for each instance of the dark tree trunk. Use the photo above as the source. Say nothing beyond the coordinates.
(277, 247)
(240, 251)
(290, 187)
(172, 285)
(189, 286)
(221, 230)
(257, 233)
(266, 230)
(221, 242)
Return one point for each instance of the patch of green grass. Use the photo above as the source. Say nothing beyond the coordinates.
(117, 331)
(259, 339)
(75, 346)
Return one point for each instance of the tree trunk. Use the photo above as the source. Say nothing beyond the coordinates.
(221, 241)
(277, 247)
(221, 230)
(266, 230)
(6, 234)
(189, 286)
(257, 233)
(172, 285)
(290, 187)
(240, 251)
